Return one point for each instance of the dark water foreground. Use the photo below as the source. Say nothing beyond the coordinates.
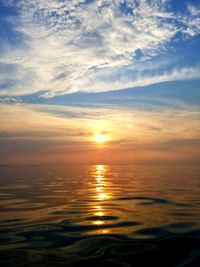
(100, 216)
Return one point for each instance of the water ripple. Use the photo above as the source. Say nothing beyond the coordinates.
(99, 215)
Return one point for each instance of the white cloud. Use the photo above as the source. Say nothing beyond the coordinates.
(194, 10)
(66, 39)
(111, 80)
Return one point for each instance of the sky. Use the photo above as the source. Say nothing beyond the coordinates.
(125, 69)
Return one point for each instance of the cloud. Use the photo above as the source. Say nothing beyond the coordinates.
(116, 79)
(75, 45)
(194, 10)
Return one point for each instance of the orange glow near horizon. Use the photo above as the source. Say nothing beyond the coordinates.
(110, 136)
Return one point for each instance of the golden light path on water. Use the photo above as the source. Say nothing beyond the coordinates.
(101, 195)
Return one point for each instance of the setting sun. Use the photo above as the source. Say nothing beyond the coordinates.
(100, 138)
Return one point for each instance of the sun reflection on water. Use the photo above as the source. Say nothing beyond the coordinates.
(101, 185)
(101, 194)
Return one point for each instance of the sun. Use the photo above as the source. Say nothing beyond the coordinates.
(101, 138)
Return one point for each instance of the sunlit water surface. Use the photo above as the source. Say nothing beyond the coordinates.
(102, 215)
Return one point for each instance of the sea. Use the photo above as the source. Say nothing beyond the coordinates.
(100, 215)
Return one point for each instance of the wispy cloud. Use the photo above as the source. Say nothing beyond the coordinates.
(79, 45)
(115, 79)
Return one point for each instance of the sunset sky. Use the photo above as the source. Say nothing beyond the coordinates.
(99, 82)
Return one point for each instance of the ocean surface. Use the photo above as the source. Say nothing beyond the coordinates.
(99, 215)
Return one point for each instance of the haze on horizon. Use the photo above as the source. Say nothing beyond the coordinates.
(127, 70)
